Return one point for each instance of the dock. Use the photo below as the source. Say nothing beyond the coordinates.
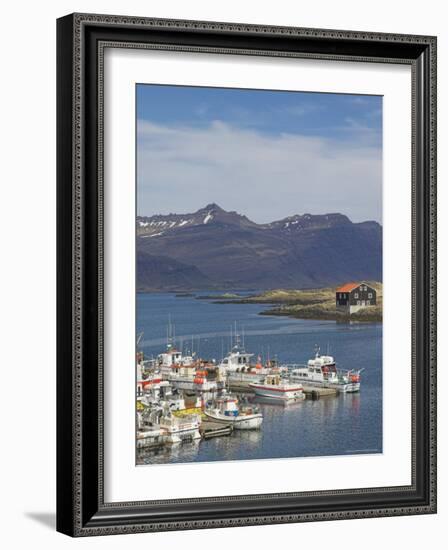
(313, 392)
(211, 429)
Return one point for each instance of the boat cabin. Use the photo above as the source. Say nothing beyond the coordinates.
(237, 359)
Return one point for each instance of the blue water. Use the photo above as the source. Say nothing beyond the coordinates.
(347, 424)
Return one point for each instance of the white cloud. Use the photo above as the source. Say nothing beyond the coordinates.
(264, 176)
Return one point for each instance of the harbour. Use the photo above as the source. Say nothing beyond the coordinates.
(313, 420)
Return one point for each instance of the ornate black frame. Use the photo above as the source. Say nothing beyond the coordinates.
(81, 39)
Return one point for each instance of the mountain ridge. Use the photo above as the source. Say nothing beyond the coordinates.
(215, 248)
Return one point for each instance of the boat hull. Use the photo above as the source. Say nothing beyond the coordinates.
(149, 439)
(180, 435)
(190, 385)
(240, 422)
(281, 394)
(350, 387)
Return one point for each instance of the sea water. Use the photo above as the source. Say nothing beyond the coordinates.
(342, 425)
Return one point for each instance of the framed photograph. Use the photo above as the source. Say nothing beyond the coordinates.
(246, 274)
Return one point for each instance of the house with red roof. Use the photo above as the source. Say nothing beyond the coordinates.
(351, 297)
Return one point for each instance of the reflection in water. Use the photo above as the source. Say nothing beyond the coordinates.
(179, 452)
(299, 428)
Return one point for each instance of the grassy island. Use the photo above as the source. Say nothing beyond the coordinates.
(313, 304)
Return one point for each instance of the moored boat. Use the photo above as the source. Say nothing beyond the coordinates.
(240, 369)
(178, 429)
(149, 437)
(274, 387)
(196, 382)
(226, 410)
(322, 371)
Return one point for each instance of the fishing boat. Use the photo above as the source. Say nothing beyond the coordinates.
(151, 384)
(178, 429)
(226, 410)
(176, 402)
(196, 381)
(322, 371)
(238, 365)
(185, 372)
(149, 437)
(173, 362)
(274, 387)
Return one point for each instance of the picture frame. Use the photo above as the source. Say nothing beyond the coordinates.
(81, 506)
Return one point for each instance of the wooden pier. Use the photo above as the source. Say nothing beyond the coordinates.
(313, 392)
(211, 429)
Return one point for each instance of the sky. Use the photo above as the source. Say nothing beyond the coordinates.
(265, 154)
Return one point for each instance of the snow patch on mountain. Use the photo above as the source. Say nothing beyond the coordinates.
(208, 217)
(153, 235)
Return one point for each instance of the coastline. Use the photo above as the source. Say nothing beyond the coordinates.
(315, 304)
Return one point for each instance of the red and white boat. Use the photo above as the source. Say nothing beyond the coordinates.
(275, 387)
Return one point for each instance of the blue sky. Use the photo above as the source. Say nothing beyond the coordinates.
(266, 154)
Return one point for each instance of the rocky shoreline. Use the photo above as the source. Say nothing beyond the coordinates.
(318, 304)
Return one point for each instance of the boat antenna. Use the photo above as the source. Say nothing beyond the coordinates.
(244, 346)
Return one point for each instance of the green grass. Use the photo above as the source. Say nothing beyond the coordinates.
(315, 304)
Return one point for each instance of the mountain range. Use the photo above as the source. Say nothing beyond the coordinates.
(217, 249)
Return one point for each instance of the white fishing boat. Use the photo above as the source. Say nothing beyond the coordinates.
(176, 403)
(239, 366)
(196, 381)
(154, 388)
(225, 410)
(178, 429)
(185, 372)
(173, 362)
(151, 383)
(237, 359)
(149, 437)
(322, 371)
(274, 387)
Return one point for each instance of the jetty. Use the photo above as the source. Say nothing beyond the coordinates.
(211, 429)
(312, 392)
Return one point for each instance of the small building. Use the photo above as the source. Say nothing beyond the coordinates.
(351, 297)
